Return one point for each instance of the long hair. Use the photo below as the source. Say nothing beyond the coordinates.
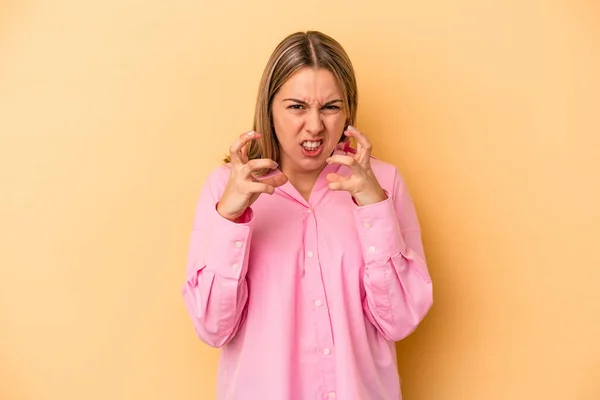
(299, 50)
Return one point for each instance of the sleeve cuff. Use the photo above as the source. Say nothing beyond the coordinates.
(230, 244)
(379, 232)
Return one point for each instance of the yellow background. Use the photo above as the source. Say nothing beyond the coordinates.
(113, 113)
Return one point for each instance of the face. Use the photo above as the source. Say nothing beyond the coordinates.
(309, 118)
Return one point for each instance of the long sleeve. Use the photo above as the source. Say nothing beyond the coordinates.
(396, 279)
(215, 291)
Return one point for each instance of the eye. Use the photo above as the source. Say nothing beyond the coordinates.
(330, 109)
(296, 107)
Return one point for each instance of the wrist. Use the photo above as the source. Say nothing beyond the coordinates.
(238, 218)
(365, 199)
(226, 215)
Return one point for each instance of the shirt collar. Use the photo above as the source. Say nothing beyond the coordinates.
(320, 187)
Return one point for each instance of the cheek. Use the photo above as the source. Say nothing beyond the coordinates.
(335, 125)
(287, 127)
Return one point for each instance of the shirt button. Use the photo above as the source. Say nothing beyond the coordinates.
(326, 351)
(309, 210)
(372, 249)
(318, 303)
(331, 395)
(236, 266)
(309, 254)
(367, 225)
(238, 244)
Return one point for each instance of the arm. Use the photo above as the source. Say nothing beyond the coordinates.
(396, 279)
(215, 291)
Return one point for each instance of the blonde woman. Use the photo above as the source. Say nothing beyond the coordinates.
(306, 262)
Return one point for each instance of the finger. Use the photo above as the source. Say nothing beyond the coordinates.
(276, 181)
(258, 164)
(340, 185)
(244, 152)
(259, 187)
(333, 177)
(235, 151)
(347, 161)
(361, 139)
(275, 178)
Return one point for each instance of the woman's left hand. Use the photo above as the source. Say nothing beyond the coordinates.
(362, 184)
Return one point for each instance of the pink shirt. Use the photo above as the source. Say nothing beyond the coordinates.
(306, 298)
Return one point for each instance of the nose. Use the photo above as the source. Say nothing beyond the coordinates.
(314, 122)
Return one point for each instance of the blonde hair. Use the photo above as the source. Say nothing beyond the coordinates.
(299, 50)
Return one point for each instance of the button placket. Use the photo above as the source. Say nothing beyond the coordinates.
(316, 290)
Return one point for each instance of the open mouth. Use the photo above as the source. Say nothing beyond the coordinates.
(312, 147)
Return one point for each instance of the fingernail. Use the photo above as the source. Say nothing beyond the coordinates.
(250, 133)
(351, 128)
(276, 165)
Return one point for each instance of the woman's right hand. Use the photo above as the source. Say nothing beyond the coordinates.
(243, 188)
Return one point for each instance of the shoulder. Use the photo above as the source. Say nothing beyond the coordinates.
(217, 179)
(382, 167)
(220, 173)
(387, 174)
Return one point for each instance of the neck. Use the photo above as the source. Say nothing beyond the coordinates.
(303, 181)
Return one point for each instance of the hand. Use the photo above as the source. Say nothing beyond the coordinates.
(362, 184)
(243, 188)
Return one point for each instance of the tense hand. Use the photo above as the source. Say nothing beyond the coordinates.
(243, 187)
(362, 184)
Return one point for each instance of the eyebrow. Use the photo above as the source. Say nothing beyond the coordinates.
(306, 104)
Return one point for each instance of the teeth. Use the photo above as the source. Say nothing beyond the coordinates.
(311, 145)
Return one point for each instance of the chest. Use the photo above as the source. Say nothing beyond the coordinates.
(290, 237)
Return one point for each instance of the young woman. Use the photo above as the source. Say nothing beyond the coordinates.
(306, 262)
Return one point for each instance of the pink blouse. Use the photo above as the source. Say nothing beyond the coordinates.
(306, 298)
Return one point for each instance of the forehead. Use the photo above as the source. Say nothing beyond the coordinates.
(311, 84)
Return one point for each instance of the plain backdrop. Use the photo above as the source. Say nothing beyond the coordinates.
(113, 113)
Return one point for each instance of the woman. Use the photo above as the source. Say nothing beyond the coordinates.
(306, 262)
